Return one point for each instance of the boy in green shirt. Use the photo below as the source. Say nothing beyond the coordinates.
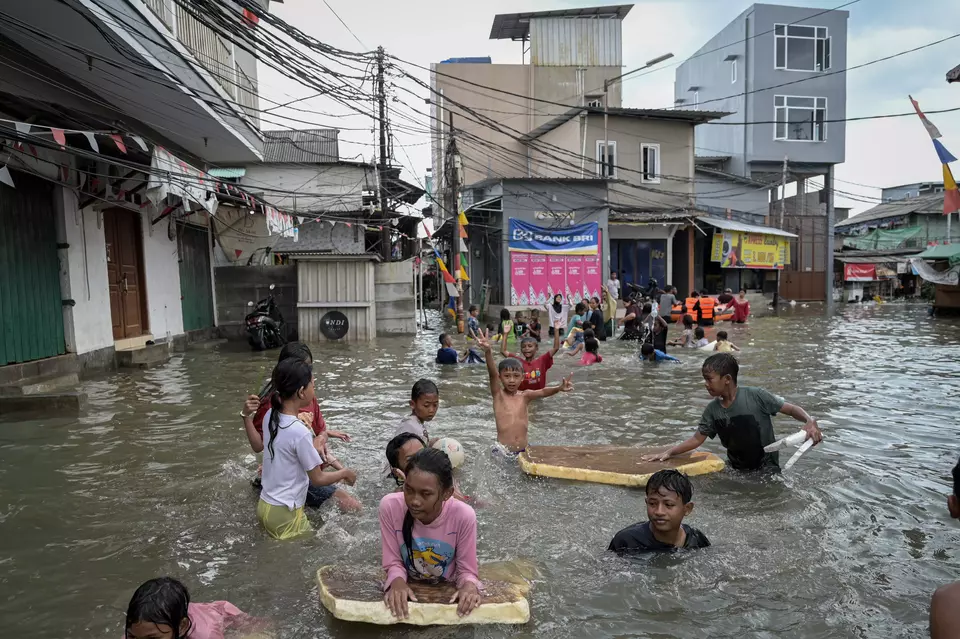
(740, 415)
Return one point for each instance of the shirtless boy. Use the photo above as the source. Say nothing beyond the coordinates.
(509, 402)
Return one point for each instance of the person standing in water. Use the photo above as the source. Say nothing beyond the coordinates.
(558, 312)
(425, 535)
(741, 308)
(945, 605)
(613, 285)
(534, 368)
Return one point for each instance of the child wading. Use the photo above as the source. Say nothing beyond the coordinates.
(668, 501)
(426, 535)
(424, 404)
(509, 402)
(534, 368)
(740, 415)
(161, 609)
(724, 345)
(292, 462)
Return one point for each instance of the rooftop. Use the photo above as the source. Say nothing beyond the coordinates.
(516, 26)
(292, 146)
(676, 115)
(925, 205)
(953, 75)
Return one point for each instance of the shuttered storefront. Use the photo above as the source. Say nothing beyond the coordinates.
(196, 293)
(31, 310)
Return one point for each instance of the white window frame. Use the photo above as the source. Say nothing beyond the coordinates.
(813, 110)
(644, 177)
(824, 63)
(594, 101)
(696, 100)
(612, 144)
(733, 71)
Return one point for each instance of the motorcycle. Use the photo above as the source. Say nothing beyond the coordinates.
(265, 326)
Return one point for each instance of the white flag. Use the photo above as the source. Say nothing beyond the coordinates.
(5, 177)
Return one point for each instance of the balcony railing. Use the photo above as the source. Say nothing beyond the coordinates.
(212, 52)
(163, 10)
(249, 96)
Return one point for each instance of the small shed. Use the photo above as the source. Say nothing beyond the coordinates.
(336, 296)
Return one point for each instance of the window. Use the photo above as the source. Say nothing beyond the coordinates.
(650, 163)
(595, 101)
(733, 72)
(696, 100)
(800, 118)
(801, 48)
(607, 161)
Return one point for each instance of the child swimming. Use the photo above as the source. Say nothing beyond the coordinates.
(591, 355)
(700, 337)
(426, 535)
(668, 501)
(161, 609)
(292, 462)
(723, 345)
(509, 402)
(399, 451)
(447, 354)
(686, 339)
(740, 415)
(534, 368)
(650, 354)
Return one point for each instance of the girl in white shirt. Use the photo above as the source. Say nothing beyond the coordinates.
(291, 462)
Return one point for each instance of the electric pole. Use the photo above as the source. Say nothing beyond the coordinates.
(453, 206)
(783, 210)
(385, 252)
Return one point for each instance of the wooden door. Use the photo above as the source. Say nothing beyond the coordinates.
(122, 234)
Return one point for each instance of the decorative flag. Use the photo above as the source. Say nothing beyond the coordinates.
(443, 269)
(5, 177)
(933, 131)
(92, 140)
(22, 127)
(250, 18)
(118, 140)
(951, 195)
(59, 136)
(463, 232)
(463, 219)
(463, 246)
(140, 142)
(463, 268)
(238, 252)
(945, 156)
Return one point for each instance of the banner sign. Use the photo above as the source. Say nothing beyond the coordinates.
(736, 249)
(581, 239)
(859, 272)
(535, 278)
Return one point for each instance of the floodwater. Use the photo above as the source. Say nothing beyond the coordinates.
(154, 479)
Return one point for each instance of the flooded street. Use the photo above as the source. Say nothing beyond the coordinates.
(154, 478)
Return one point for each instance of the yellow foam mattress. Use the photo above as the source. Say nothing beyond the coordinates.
(355, 595)
(619, 465)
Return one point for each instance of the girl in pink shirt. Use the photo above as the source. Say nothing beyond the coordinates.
(442, 533)
(161, 609)
(591, 352)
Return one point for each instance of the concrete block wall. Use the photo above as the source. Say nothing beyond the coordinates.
(237, 285)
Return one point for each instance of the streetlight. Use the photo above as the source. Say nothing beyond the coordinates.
(606, 98)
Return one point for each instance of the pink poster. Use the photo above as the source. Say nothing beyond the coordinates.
(592, 276)
(574, 283)
(556, 276)
(538, 279)
(519, 278)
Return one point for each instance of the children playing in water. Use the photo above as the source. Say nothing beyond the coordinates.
(591, 352)
(473, 322)
(740, 415)
(534, 368)
(447, 354)
(426, 535)
(161, 609)
(650, 354)
(509, 402)
(505, 329)
(292, 462)
(700, 337)
(724, 345)
(399, 451)
(668, 501)
(686, 339)
(945, 605)
(533, 327)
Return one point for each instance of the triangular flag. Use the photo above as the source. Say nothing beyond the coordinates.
(463, 218)
(945, 156)
(463, 232)
(463, 268)
(932, 131)
(59, 136)
(92, 139)
(447, 277)
(22, 127)
(348, 224)
(119, 142)
(238, 251)
(441, 265)
(463, 246)
(951, 196)
(5, 177)
(140, 142)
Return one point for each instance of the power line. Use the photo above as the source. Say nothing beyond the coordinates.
(345, 25)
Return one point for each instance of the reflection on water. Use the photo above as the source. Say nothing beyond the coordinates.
(154, 479)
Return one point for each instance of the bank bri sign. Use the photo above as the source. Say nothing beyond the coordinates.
(581, 239)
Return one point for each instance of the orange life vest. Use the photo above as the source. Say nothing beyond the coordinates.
(688, 305)
(706, 307)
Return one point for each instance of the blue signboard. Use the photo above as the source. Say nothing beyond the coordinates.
(581, 239)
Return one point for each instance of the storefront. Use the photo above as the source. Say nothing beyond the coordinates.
(743, 256)
(546, 261)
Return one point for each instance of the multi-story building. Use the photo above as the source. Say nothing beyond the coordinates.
(779, 73)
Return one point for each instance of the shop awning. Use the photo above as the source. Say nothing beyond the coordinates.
(949, 252)
(731, 225)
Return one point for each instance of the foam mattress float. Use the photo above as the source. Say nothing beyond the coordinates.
(618, 465)
(355, 595)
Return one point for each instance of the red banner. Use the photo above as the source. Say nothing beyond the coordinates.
(859, 272)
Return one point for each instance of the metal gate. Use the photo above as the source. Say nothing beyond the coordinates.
(31, 307)
(196, 294)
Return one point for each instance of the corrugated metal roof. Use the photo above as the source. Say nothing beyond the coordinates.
(311, 146)
(731, 225)
(516, 26)
(228, 172)
(925, 205)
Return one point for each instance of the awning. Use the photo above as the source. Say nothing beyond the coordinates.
(232, 173)
(169, 175)
(949, 252)
(731, 225)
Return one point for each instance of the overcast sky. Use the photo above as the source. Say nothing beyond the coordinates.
(878, 152)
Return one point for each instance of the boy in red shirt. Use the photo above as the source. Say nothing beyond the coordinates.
(534, 368)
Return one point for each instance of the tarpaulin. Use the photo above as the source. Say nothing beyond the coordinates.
(582, 239)
(949, 277)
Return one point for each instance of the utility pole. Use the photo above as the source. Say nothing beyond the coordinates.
(783, 210)
(453, 206)
(385, 252)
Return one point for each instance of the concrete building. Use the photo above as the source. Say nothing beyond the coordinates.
(778, 71)
(906, 191)
(118, 256)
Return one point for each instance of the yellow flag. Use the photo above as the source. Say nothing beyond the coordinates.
(463, 219)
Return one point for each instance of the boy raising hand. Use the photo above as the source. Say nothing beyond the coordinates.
(509, 402)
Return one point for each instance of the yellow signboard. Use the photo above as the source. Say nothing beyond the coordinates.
(736, 249)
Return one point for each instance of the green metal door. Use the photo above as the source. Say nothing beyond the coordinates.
(196, 294)
(31, 308)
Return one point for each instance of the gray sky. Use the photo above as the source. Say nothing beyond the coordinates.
(878, 152)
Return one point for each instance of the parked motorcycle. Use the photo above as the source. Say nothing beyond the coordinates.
(265, 326)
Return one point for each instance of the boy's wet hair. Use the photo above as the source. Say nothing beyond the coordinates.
(699, 333)
(443, 338)
(472, 308)
(398, 442)
(510, 364)
(956, 480)
(528, 340)
(163, 600)
(424, 387)
(722, 364)
(295, 349)
(672, 480)
(647, 349)
(721, 335)
(580, 308)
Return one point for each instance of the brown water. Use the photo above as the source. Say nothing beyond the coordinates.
(154, 479)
